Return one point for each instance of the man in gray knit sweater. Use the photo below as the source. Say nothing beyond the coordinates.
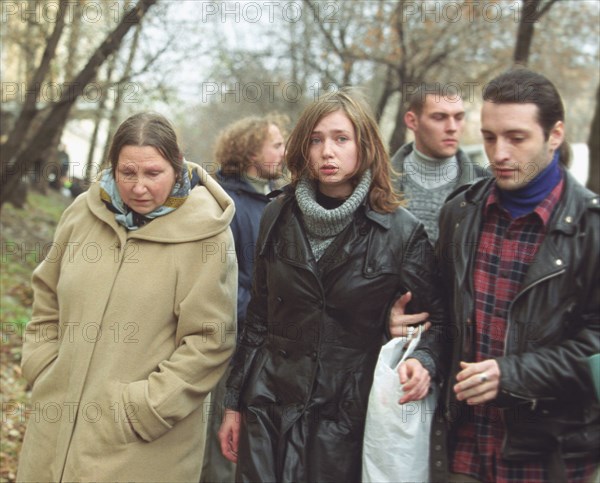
(433, 166)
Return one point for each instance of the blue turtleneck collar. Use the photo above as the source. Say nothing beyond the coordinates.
(524, 200)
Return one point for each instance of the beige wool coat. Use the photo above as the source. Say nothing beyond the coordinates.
(130, 332)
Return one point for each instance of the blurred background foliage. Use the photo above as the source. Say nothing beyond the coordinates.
(205, 64)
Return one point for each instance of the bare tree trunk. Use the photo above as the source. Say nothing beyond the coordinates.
(399, 134)
(98, 117)
(74, 40)
(525, 32)
(293, 51)
(385, 94)
(593, 182)
(11, 171)
(50, 161)
(531, 12)
(28, 112)
(33, 46)
(116, 112)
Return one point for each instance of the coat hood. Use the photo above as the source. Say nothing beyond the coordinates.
(207, 211)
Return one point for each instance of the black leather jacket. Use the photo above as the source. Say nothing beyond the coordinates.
(302, 372)
(553, 326)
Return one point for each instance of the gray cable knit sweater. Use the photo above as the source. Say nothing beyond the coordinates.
(323, 225)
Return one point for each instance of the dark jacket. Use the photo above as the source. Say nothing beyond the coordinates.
(249, 206)
(553, 326)
(304, 366)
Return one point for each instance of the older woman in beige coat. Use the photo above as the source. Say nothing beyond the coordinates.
(133, 319)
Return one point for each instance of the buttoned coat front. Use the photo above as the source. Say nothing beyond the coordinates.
(304, 367)
(130, 331)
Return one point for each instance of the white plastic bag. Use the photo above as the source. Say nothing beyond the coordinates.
(396, 440)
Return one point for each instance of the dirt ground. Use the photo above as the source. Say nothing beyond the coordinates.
(13, 399)
(23, 235)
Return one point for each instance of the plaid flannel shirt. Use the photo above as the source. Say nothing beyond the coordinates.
(506, 249)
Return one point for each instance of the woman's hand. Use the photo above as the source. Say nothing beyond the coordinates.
(229, 434)
(415, 380)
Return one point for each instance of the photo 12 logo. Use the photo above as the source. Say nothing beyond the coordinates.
(270, 12)
(52, 92)
(452, 12)
(253, 92)
(48, 12)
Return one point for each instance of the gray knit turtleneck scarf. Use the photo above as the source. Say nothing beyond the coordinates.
(322, 225)
(431, 173)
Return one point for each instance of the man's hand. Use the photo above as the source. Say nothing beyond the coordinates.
(478, 382)
(229, 434)
(415, 380)
(401, 323)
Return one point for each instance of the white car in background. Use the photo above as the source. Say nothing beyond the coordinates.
(580, 159)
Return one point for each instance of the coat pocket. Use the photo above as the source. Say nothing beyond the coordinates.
(534, 433)
(127, 413)
(114, 426)
(44, 373)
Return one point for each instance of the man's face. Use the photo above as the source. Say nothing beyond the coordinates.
(515, 144)
(268, 163)
(439, 126)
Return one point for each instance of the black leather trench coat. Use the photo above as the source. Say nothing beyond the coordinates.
(304, 366)
(550, 411)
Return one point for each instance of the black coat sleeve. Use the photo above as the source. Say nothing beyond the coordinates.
(254, 332)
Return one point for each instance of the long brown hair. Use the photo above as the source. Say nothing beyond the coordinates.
(371, 150)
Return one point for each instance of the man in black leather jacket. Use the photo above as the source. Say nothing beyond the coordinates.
(519, 259)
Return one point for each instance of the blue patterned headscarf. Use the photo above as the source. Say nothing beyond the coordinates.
(130, 219)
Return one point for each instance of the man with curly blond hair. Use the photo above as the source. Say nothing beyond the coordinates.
(250, 154)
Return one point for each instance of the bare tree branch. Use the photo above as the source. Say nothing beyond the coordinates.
(29, 110)
(11, 170)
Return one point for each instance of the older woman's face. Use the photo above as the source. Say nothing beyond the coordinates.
(144, 178)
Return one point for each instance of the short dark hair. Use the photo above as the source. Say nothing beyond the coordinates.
(523, 86)
(147, 129)
(418, 97)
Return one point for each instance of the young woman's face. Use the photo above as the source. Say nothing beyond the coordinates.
(144, 178)
(333, 154)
